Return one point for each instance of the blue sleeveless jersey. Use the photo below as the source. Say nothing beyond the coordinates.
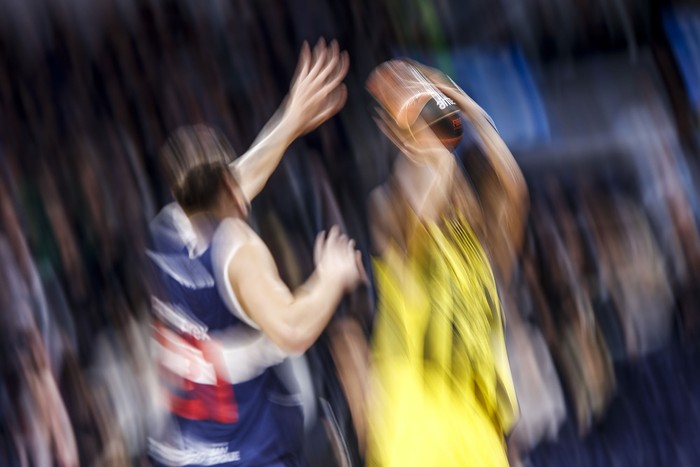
(212, 422)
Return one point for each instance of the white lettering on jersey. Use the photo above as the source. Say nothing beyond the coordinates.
(183, 359)
(187, 272)
(194, 453)
(177, 318)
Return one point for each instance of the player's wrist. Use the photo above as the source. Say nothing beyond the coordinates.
(329, 277)
(290, 124)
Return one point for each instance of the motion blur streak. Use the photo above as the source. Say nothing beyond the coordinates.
(598, 101)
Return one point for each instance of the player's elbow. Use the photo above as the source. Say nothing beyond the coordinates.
(516, 199)
(521, 198)
(292, 339)
(516, 188)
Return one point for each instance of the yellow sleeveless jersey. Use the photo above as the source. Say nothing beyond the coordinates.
(442, 389)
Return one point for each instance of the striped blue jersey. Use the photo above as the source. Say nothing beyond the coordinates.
(227, 405)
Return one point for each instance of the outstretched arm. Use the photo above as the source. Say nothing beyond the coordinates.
(432, 176)
(294, 320)
(315, 95)
(426, 180)
(502, 190)
(504, 197)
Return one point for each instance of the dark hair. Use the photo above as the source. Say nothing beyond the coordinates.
(195, 162)
(201, 186)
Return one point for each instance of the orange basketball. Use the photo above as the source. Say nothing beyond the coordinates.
(445, 121)
(408, 96)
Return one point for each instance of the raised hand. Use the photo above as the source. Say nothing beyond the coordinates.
(471, 110)
(317, 92)
(335, 255)
(502, 191)
(315, 95)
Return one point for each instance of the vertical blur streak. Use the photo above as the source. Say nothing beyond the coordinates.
(598, 100)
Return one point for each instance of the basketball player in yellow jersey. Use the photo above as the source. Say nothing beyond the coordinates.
(441, 391)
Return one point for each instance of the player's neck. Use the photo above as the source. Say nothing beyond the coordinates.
(204, 225)
(425, 187)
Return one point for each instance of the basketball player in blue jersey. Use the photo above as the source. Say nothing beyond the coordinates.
(223, 317)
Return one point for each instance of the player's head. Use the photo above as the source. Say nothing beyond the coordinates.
(196, 160)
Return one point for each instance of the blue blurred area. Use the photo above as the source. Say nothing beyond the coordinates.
(682, 26)
(652, 421)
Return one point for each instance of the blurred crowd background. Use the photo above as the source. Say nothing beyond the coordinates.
(598, 100)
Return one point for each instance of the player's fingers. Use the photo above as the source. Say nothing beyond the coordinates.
(342, 97)
(448, 89)
(321, 44)
(332, 106)
(303, 63)
(316, 68)
(433, 74)
(319, 55)
(318, 246)
(321, 80)
(455, 93)
(334, 74)
(337, 98)
(333, 235)
(333, 59)
(327, 88)
(344, 63)
(342, 67)
(361, 268)
(317, 47)
(448, 86)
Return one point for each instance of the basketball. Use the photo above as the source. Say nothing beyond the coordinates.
(410, 98)
(443, 117)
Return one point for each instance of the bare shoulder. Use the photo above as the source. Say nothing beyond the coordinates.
(236, 234)
(232, 227)
(235, 242)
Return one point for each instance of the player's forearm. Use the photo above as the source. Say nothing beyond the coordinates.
(310, 311)
(506, 173)
(254, 168)
(502, 192)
